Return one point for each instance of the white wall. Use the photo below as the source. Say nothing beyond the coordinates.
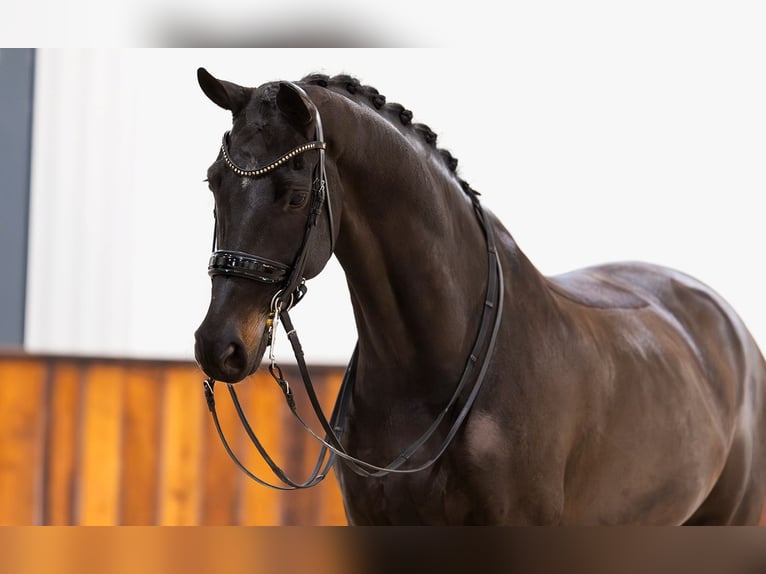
(640, 139)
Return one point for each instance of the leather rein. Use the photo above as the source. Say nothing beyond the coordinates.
(292, 288)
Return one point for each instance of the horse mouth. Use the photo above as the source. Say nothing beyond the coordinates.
(257, 357)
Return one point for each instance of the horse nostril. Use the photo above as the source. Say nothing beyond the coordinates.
(234, 358)
(222, 354)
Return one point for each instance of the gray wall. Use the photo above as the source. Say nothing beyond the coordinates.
(16, 103)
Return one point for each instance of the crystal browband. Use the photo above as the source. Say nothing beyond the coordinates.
(269, 166)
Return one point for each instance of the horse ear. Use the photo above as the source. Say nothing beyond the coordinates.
(226, 94)
(293, 104)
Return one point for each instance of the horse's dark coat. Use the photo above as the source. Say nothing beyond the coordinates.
(625, 393)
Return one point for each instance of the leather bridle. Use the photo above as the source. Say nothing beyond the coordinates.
(292, 288)
(261, 269)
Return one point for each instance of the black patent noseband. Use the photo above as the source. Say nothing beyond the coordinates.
(238, 264)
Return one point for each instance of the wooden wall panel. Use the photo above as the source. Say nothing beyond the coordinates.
(223, 481)
(22, 415)
(62, 441)
(306, 505)
(101, 446)
(263, 403)
(142, 397)
(100, 442)
(181, 476)
(330, 501)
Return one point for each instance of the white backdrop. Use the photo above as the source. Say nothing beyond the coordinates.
(641, 139)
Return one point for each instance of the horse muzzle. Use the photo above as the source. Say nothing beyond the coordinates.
(227, 356)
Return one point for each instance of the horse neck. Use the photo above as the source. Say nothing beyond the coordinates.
(413, 252)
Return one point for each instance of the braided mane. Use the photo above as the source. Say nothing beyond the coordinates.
(372, 97)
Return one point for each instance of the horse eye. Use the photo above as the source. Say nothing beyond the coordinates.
(297, 199)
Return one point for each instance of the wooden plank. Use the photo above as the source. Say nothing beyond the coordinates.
(100, 449)
(265, 407)
(61, 443)
(222, 479)
(22, 414)
(181, 473)
(301, 450)
(140, 455)
(321, 505)
(331, 511)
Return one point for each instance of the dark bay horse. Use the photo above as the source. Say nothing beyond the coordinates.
(619, 394)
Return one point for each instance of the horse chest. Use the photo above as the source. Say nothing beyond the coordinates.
(469, 485)
(430, 499)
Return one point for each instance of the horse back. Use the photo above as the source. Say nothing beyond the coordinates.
(676, 348)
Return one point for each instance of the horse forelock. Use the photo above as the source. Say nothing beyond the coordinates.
(391, 111)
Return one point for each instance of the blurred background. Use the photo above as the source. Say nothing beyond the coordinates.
(595, 133)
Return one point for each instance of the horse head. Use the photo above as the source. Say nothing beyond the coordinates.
(270, 187)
